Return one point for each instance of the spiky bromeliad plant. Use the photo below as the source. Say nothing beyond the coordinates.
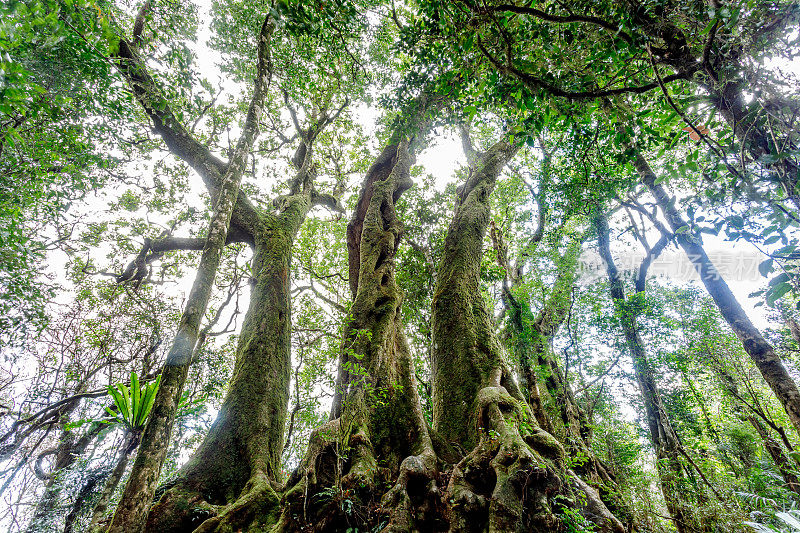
(134, 403)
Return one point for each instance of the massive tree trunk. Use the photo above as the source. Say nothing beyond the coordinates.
(377, 436)
(240, 457)
(231, 480)
(131, 511)
(412, 126)
(512, 476)
(760, 351)
(675, 484)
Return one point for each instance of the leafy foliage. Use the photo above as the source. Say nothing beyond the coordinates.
(133, 404)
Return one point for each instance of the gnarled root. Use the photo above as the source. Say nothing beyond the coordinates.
(179, 510)
(504, 484)
(514, 480)
(255, 510)
(593, 508)
(333, 487)
(414, 503)
(182, 510)
(338, 483)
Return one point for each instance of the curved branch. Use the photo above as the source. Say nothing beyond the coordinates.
(564, 19)
(138, 269)
(534, 83)
(178, 139)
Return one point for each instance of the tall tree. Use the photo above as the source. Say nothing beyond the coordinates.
(675, 477)
(476, 401)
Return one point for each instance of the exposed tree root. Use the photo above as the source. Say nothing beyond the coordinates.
(341, 484)
(179, 510)
(255, 510)
(415, 499)
(185, 510)
(514, 479)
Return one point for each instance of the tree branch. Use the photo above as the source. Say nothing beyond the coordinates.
(534, 83)
(564, 19)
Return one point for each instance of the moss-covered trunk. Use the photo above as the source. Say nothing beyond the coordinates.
(238, 461)
(512, 476)
(376, 452)
(132, 509)
(466, 353)
(676, 485)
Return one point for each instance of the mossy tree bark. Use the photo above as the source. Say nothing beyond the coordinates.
(238, 461)
(412, 126)
(377, 436)
(231, 480)
(131, 511)
(532, 338)
(680, 493)
(513, 476)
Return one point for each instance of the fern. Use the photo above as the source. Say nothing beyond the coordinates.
(134, 403)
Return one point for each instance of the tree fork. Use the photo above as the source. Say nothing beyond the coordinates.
(131, 511)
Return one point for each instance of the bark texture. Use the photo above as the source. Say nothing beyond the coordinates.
(512, 476)
(377, 436)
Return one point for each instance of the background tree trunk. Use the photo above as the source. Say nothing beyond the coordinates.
(675, 479)
(760, 351)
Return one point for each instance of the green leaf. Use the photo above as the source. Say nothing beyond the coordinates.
(120, 395)
(783, 277)
(149, 400)
(777, 292)
(126, 395)
(765, 267)
(136, 393)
